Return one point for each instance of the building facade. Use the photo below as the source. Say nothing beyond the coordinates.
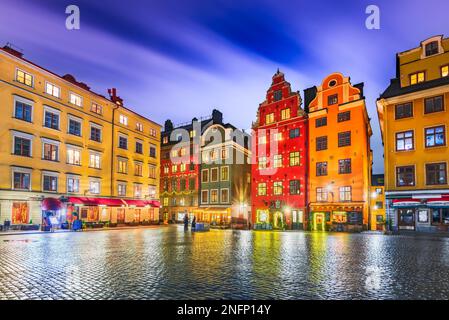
(225, 177)
(340, 155)
(279, 169)
(377, 221)
(60, 151)
(414, 119)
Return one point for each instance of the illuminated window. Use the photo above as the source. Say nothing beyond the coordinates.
(278, 136)
(75, 99)
(52, 90)
(192, 133)
(182, 167)
(285, 114)
(73, 184)
(96, 108)
(333, 99)
(262, 189)
(123, 120)
(214, 174)
(404, 141)
(435, 136)
(277, 188)
(278, 161)
(269, 118)
(294, 159)
(121, 189)
(174, 168)
(205, 175)
(262, 139)
(224, 195)
(94, 186)
(153, 132)
(50, 183)
(94, 160)
(50, 151)
(321, 194)
(139, 127)
(122, 166)
(73, 156)
(262, 162)
(138, 169)
(137, 190)
(214, 196)
(166, 169)
(166, 202)
(204, 196)
(165, 140)
(345, 193)
(224, 173)
(445, 71)
(152, 171)
(25, 78)
(417, 78)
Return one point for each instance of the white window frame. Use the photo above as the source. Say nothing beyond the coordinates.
(124, 160)
(218, 174)
(23, 135)
(51, 142)
(123, 119)
(97, 126)
(25, 72)
(73, 94)
(20, 170)
(50, 174)
(75, 148)
(152, 195)
(221, 195)
(207, 176)
(47, 83)
(202, 200)
(97, 154)
(73, 177)
(99, 105)
(77, 119)
(94, 180)
(139, 126)
(25, 101)
(210, 196)
(55, 111)
(138, 163)
(123, 185)
(121, 135)
(135, 185)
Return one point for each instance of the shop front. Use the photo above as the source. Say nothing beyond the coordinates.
(53, 215)
(336, 218)
(217, 217)
(280, 218)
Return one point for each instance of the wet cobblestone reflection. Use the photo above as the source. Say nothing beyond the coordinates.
(166, 263)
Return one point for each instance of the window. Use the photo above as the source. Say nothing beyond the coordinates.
(431, 48)
(269, 118)
(285, 114)
(139, 147)
(277, 95)
(137, 190)
(333, 99)
(174, 168)
(434, 104)
(74, 127)
(192, 182)
(321, 122)
(214, 196)
(50, 151)
(204, 196)
(94, 160)
(25, 78)
(321, 143)
(152, 171)
(165, 140)
(152, 151)
(166, 202)
(404, 141)
(214, 175)
(379, 205)
(345, 193)
(121, 189)
(436, 173)
(50, 183)
(52, 90)
(294, 187)
(224, 173)
(224, 195)
(21, 180)
(166, 169)
(205, 175)
(262, 162)
(294, 159)
(404, 110)
(417, 78)
(435, 136)
(445, 71)
(51, 119)
(22, 110)
(123, 119)
(22, 146)
(294, 133)
(262, 139)
(122, 166)
(123, 142)
(182, 167)
(321, 169)
(138, 169)
(344, 166)
(73, 184)
(75, 99)
(224, 154)
(278, 136)
(96, 108)
(153, 132)
(440, 216)
(152, 192)
(192, 133)
(405, 176)
(95, 133)
(344, 139)
(73, 156)
(262, 189)
(182, 185)
(278, 161)
(277, 188)
(139, 127)
(321, 194)
(174, 185)
(344, 116)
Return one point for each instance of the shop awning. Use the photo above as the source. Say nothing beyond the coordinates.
(137, 203)
(155, 203)
(442, 202)
(96, 201)
(398, 203)
(51, 204)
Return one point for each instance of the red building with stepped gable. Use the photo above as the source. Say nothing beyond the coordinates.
(280, 157)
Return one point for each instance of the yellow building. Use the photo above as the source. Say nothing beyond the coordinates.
(377, 203)
(60, 151)
(340, 155)
(414, 119)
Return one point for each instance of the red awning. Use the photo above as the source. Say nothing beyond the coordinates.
(442, 199)
(96, 201)
(51, 204)
(406, 202)
(155, 203)
(136, 203)
(439, 202)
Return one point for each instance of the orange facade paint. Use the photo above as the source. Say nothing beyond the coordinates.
(340, 155)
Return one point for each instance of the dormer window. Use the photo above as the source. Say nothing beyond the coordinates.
(277, 95)
(417, 78)
(431, 48)
(445, 71)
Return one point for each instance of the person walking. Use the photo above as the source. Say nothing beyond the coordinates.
(193, 223)
(186, 222)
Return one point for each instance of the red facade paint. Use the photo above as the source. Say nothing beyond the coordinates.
(280, 209)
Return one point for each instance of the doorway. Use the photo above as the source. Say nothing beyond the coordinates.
(319, 221)
(120, 216)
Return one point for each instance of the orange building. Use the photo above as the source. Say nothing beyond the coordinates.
(340, 155)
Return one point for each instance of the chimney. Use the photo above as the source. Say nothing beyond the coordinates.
(168, 126)
(217, 116)
(15, 51)
(114, 97)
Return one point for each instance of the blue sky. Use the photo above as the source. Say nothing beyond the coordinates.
(180, 59)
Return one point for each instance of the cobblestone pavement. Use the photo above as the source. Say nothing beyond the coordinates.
(167, 263)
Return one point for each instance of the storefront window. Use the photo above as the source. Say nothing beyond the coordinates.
(339, 217)
(20, 213)
(263, 216)
(406, 216)
(440, 216)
